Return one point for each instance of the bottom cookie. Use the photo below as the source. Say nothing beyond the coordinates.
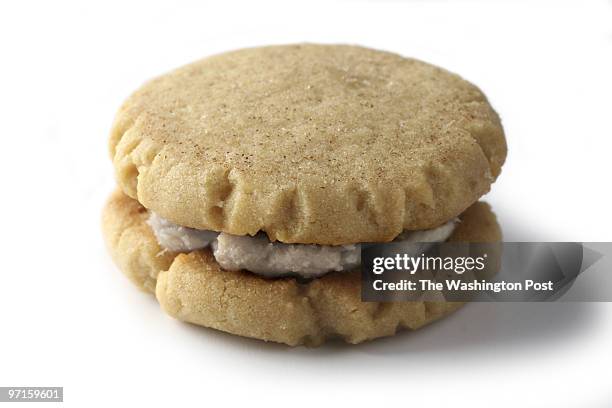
(193, 288)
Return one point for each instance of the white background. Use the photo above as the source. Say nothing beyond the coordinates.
(69, 318)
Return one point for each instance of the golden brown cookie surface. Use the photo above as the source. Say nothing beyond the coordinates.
(309, 143)
(192, 287)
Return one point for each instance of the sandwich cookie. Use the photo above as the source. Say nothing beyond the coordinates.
(249, 180)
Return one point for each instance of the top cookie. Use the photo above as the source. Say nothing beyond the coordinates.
(325, 144)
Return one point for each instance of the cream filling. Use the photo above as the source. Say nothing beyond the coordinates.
(273, 259)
